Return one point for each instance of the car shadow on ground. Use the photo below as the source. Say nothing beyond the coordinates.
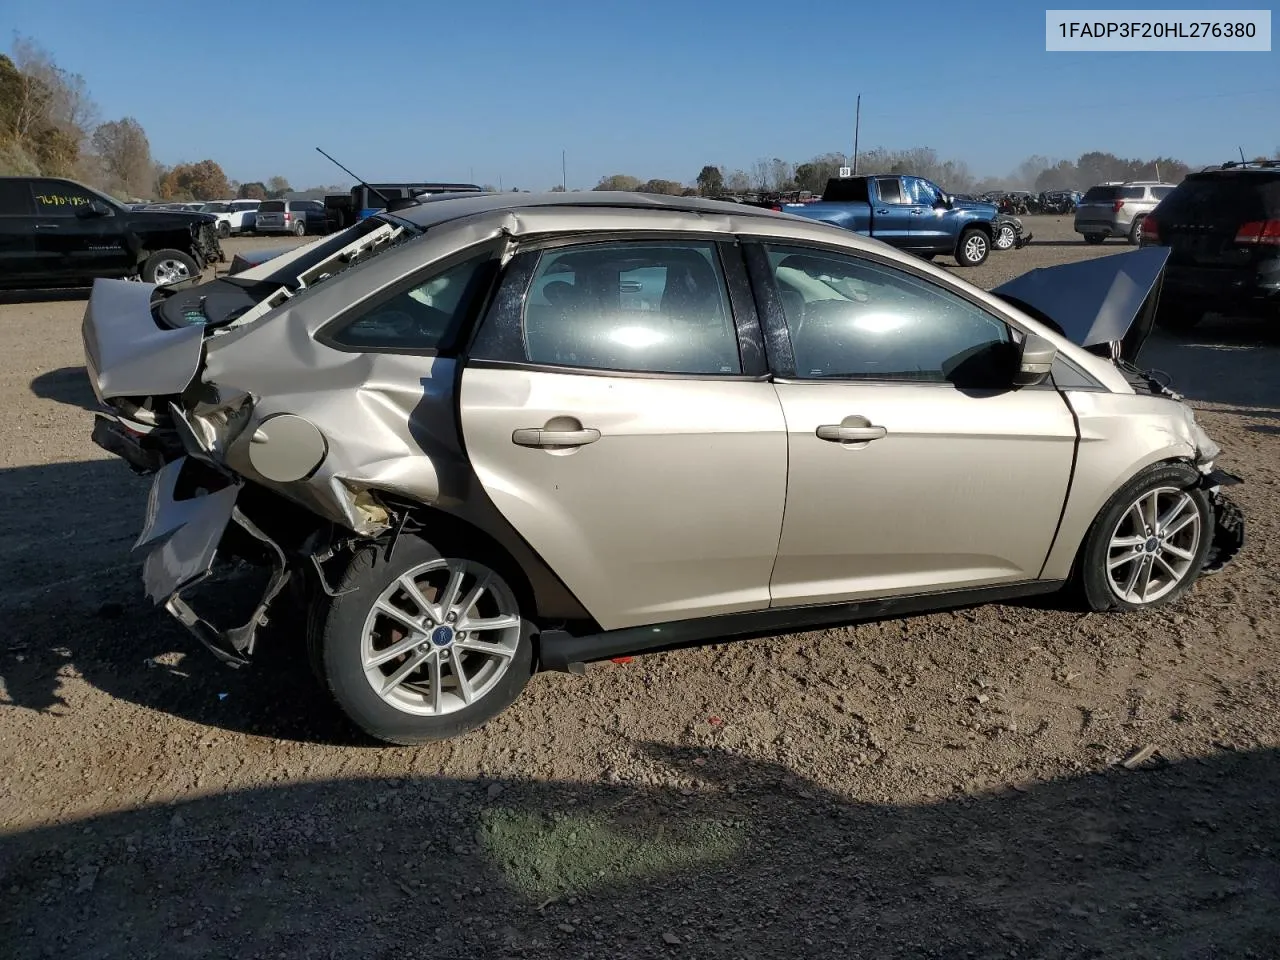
(729, 858)
(69, 385)
(43, 296)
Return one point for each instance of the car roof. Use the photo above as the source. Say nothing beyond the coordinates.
(445, 207)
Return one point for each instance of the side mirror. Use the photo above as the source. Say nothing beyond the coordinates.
(94, 208)
(1036, 361)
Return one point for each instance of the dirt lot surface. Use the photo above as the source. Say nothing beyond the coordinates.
(947, 786)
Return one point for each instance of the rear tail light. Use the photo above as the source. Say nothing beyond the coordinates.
(777, 207)
(1259, 231)
(1150, 230)
(288, 217)
(1115, 207)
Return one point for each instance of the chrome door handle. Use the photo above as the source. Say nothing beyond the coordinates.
(541, 437)
(838, 433)
(882, 211)
(47, 226)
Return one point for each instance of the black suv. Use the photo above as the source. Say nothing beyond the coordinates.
(1222, 228)
(59, 233)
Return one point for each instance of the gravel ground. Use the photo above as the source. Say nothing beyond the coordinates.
(950, 785)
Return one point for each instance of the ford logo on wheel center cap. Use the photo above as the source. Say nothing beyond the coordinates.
(442, 635)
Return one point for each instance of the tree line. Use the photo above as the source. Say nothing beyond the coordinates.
(51, 126)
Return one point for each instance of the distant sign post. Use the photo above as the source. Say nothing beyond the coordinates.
(846, 171)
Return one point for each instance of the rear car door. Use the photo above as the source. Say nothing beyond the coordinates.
(914, 468)
(616, 408)
(893, 212)
(75, 245)
(19, 262)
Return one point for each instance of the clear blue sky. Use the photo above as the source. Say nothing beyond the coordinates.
(482, 91)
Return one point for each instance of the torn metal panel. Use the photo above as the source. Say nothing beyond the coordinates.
(182, 534)
(126, 353)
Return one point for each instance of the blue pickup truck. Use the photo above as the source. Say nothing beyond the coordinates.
(907, 212)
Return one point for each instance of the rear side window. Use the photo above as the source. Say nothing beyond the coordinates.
(272, 206)
(1133, 193)
(424, 318)
(15, 199)
(645, 307)
(1161, 192)
(1238, 197)
(890, 189)
(1100, 195)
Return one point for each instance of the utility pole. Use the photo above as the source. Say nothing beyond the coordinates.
(564, 177)
(857, 126)
(501, 187)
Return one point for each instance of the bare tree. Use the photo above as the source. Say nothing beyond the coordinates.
(125, 152)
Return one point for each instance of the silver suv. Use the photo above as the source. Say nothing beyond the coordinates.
(1117, 209)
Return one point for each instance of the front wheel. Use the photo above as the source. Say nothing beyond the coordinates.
(1005, 237)
(973, 248)
(424, 646)
(167, 267)
(224, 229)
(1148, 545)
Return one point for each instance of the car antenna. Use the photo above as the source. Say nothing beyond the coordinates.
(1242, 159)
(368, 186)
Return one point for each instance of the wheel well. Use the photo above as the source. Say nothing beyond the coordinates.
(449, 533)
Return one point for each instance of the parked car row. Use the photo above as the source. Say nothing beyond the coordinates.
(233, 217)
(1118, 209)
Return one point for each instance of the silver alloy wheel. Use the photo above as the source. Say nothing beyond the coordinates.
(171, 271)
(1005, 238)
(440, 637)
(1154, 545)
(975, 248)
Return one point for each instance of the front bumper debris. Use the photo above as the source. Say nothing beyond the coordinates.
(186, 533)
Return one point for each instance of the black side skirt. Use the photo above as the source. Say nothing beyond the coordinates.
(564, 651)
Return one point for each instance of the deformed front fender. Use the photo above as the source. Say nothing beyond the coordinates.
(1120, 436)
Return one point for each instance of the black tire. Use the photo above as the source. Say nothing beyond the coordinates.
(161, 263)
(1094, 237)
(1135, 230)
(969, 251)
(300, 229)
(1180, 319)
(337, 640)
(224, 229)
(1091, 568)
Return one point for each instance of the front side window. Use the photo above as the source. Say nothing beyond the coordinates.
(655, 307)
(923, 192)
(425, 317)
(853, 319)
(55, 198)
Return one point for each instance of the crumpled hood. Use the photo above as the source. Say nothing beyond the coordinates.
(975, 205)
(1106, 300)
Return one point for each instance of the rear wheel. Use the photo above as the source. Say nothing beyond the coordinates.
(1148, 545)
(973, 248)
(1135, 231)
(300, 228)
(424, 646)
